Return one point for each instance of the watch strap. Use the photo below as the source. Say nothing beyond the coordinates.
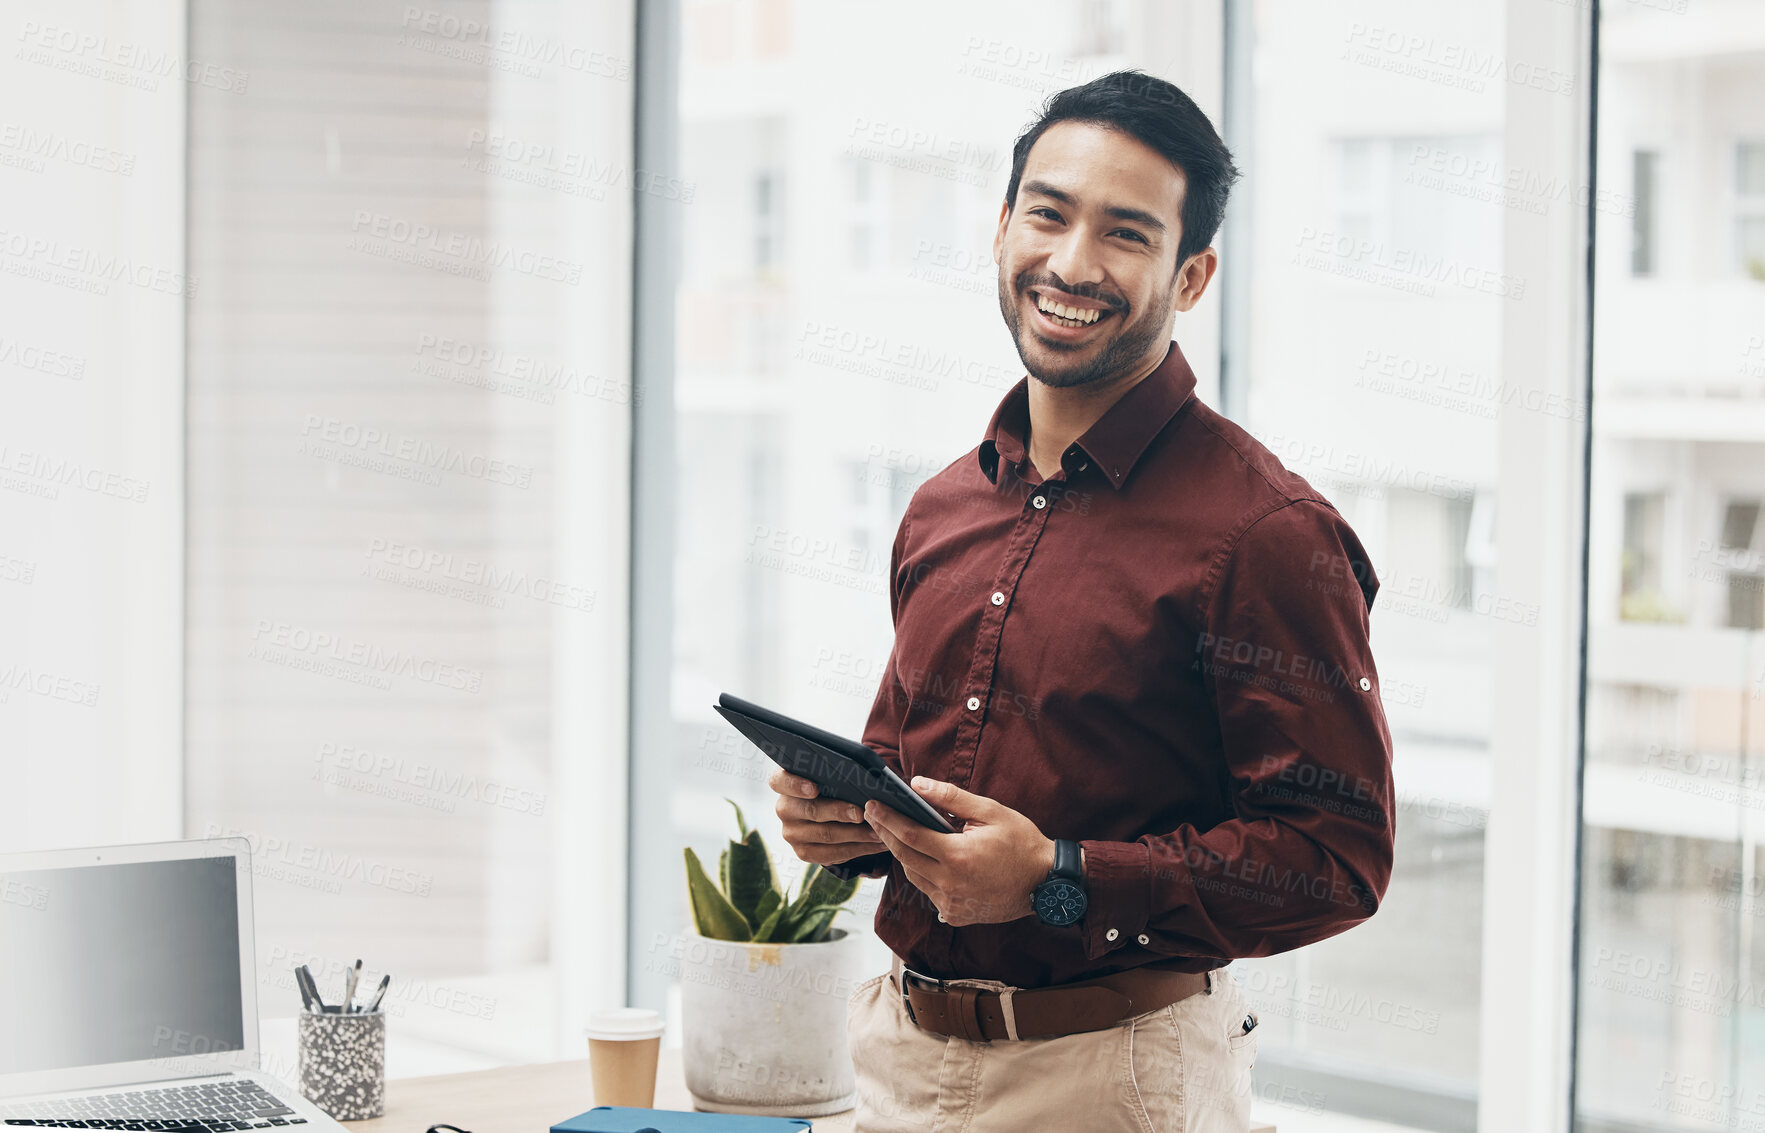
(1067, 861)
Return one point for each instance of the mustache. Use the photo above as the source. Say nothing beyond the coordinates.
(1054, 289)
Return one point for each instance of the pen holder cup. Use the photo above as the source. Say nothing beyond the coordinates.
(343, 1063)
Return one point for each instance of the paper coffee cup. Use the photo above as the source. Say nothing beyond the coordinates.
(623, 1045)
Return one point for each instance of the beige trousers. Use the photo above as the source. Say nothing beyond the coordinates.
(1183, 1068)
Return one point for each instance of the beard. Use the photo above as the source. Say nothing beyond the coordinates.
(1066, 364)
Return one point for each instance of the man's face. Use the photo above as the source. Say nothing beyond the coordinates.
(1095, 227)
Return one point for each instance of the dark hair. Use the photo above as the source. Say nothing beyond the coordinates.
(1162, 116)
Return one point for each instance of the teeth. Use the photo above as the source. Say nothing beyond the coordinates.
(1075, 314)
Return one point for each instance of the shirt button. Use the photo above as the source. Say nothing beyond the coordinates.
(1144, 939)
(974, 702)
(1039, 501)
(1111, 934)
(1366, 685)
(998, 598)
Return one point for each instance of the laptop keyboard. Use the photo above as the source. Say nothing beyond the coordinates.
(221, 1104)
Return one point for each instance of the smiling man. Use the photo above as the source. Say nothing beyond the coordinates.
(1131, 661)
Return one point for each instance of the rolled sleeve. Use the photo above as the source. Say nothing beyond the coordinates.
(1118, 895)
(1285, 656)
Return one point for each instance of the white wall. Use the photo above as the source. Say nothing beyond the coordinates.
(91, 466)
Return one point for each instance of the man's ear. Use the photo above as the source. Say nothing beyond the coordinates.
(1193, 278)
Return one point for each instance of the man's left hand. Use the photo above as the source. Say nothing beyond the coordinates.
(984, 873)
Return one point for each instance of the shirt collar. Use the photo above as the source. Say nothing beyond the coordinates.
(1116, 440)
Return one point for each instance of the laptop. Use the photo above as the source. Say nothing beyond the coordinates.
(128, 993)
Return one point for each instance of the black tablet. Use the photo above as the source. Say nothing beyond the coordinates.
(844, 769)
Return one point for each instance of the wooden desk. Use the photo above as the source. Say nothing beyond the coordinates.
(524, 1099)
(529, 1099)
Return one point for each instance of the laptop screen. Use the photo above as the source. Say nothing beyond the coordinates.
(119, 963)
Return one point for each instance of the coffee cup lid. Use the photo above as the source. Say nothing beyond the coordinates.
(623, 1023)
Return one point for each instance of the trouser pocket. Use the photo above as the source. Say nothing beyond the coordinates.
(1244, 1032)
(1241, 1022)
(864, 987)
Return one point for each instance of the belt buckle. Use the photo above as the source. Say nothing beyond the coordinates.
(907, 1003)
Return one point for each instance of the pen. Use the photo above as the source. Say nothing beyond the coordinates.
(355, 974)
(312, 986)
(385, 981)
(306, 997)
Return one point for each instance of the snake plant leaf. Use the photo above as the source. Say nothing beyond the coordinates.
(770, 902)
(815, 887)
(822, 888)
(835, 890)
(813, 924)
(750, 876)
(713, 915)
(805, 879)
(748, 904)
(771, 912)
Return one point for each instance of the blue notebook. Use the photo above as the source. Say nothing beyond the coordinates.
(624, 1119)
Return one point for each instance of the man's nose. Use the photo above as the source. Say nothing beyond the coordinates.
(1074, 260)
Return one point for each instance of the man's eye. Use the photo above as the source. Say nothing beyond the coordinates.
(1044, 211)
(1132, 233)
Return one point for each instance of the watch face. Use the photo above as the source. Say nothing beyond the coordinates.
(1059, 902)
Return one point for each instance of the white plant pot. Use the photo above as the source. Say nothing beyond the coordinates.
(764, 1025)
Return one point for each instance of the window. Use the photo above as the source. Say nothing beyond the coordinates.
(740, 188)
(1740, 519)
(768, 225)
(1644, 165)
(1423, 196)
(881, 491)
(1363, 353)
(1632, 724)
(1370, 353)
(1430, 564)
(869, 212)
(1644, 534)
(1670, 1019)
(1746, 565)
(1749, 188)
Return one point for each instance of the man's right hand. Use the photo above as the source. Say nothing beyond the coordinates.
(822, 831)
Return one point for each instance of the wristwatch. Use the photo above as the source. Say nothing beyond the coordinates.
(1060, 899)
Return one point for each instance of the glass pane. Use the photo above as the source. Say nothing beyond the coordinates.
(1671, 1028)
(1372, 369)
(383, 358)
(812, 399)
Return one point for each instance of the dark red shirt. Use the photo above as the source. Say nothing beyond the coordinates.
(1160, 652)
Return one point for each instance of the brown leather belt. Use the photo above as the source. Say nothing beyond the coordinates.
(983, 1014)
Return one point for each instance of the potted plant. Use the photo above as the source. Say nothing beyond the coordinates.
(764, 985)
